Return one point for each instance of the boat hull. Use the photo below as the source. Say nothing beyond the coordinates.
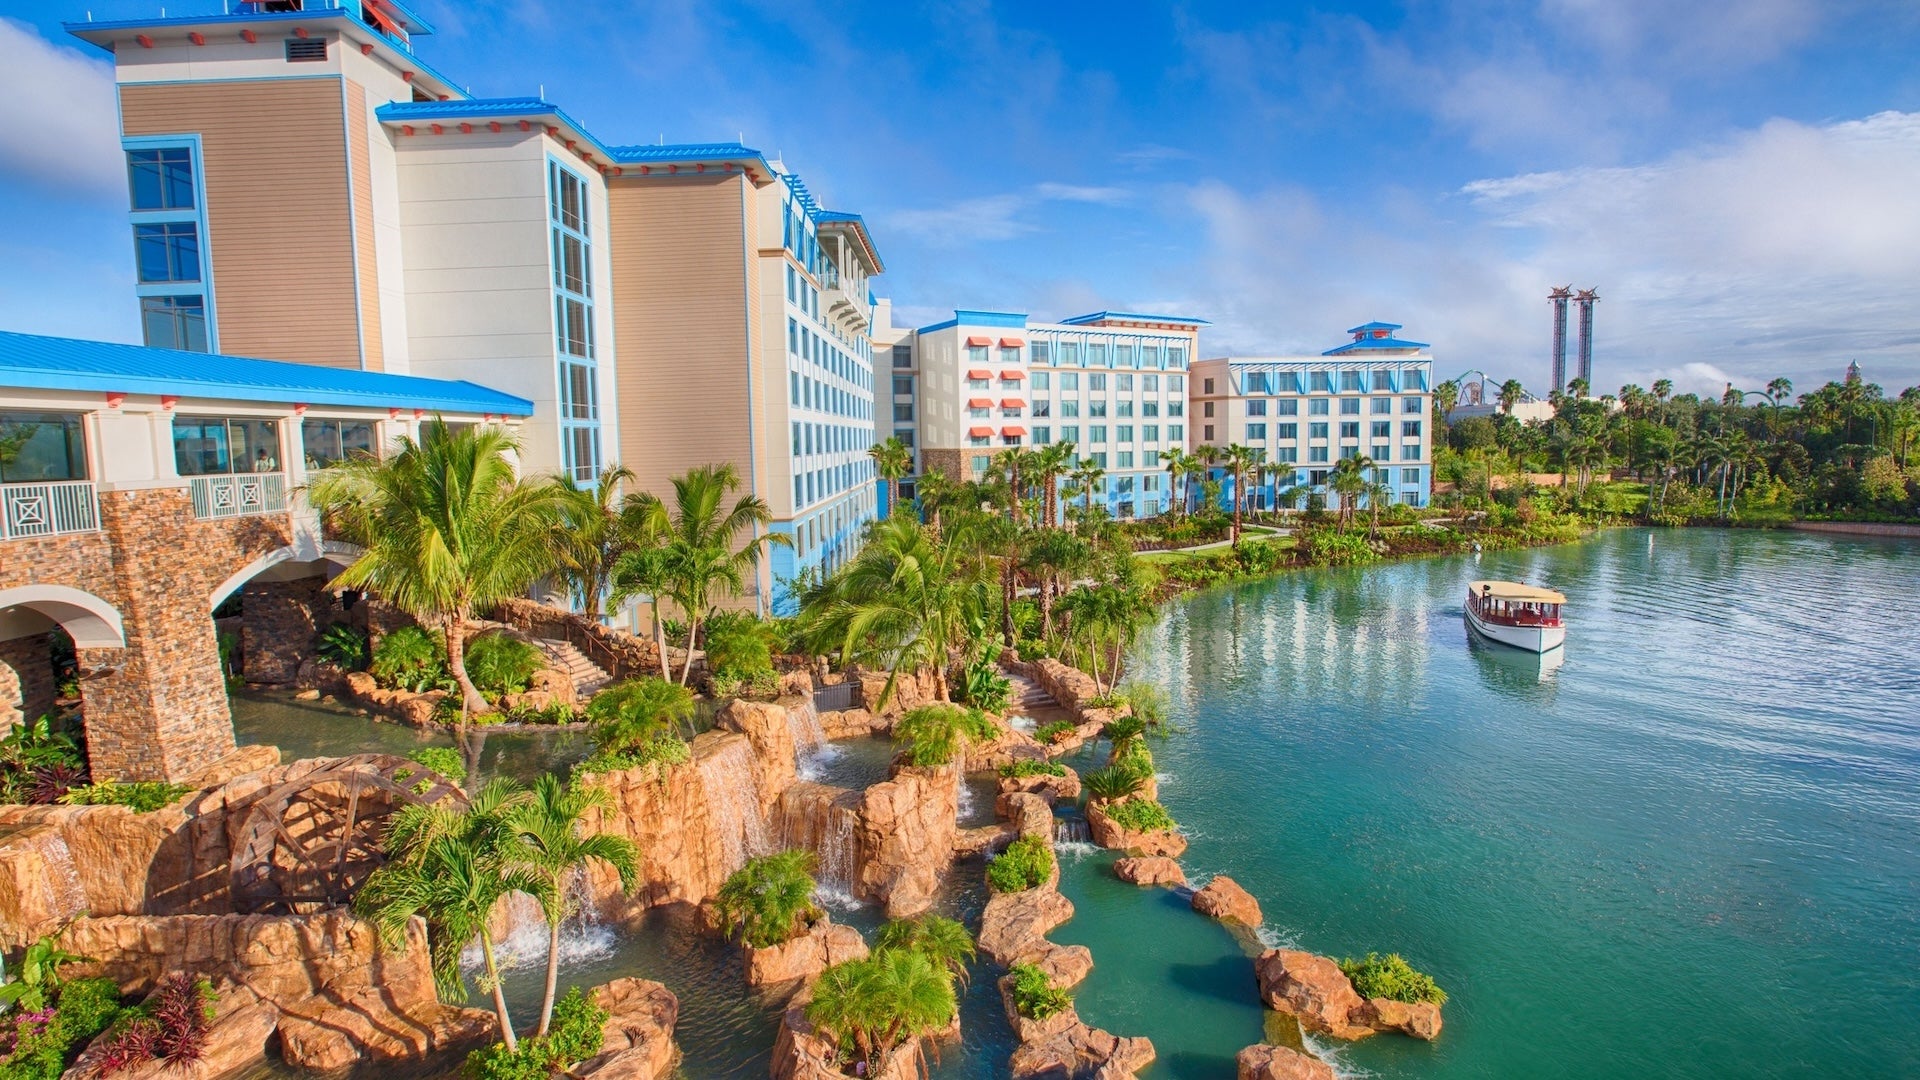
(1538, 639)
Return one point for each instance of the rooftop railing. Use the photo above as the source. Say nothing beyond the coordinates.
(48, 509)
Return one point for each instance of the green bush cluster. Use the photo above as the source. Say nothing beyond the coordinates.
(662, 752)
(342, 646)
(141, 796)
(1029, 767)
(1052, 730)
(411, 659)
(1034, 995)
(936, 734)
(34, 1046)
(39, 762)
(739, 651)
(501, 664)
(1026, 864)
(1141, 815)
(444, 760)
(770, 899)
(1391, 977)
(986, 689)
(577, 1033)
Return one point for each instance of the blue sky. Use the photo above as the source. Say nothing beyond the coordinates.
(1741, 181)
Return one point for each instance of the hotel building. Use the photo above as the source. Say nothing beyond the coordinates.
(304, 188)
(1114, 384)
(1371, 396)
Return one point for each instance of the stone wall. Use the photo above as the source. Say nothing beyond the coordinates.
(620, 654)
(27, 687)
(951, 462)
(279, 624)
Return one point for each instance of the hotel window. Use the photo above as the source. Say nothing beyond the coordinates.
(1069, 352)
(1409, 429)
(1383, 429)
(1176, 408)
(1043, 380)
(1381, 452)
(1350, 407)
(1412, 406)
(1096, 383)
(1070, 433)
(1176, 432)
(1042, 435)
(1100, 459)
(1150, 383)
(1123, 382)
(1318, 407)
(579, 395)
(1256, 383)
(1149, 356)
(1287, 454)
(1286, 431)
(979, 440)
(1413, 379)
(902, 412)
(1206, 386)
(1069, 380)
(1349, 452)
(42, 447)
(903, 384)
(1256, 431)
(1096, 354)
(1150, 484)
(1286, 407)
(1206, 408)
(573, 322)
(979, 384)
(174, 322)
(1350, 429)
(1176, 356)
(1069, 407)
(167, 252)
(1382, 406)
(1042, 408)
(1316, 431)
(1349, 382)
(1206, 433)
(1040, 352)
(982, 462)
(1409, 476)
(211, 446)
(1010, 354)
(1123, 408)
(1150, 433)
(1257, 407)
(1382, 380)
(797, 441)
(976, 354)
(1123, 355)
(905, 435)
(1320, 382)
(1097, 433)
(1177, 384)
(162, 178)
(903, 356)
(1149, 408)
(1123, 433)
(1316, 454)
(1096, 408)
(1124, 459)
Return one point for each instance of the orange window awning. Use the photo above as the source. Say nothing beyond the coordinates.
(979, 432)
(1011, 343)
(976, 373)
(1010, 432)
(979, 342)
(1013, 376)
(980, 403)
(1012, 403)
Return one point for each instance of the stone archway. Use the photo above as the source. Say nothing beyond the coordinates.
(27, 614)
(285, 602)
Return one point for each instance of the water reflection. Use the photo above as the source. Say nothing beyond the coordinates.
(1515, 673)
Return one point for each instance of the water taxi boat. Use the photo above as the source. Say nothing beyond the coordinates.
(1512, 613)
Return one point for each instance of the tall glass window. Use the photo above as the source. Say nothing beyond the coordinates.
(169, 245)
(214, 446)
(175, 322)
(38, 447)
(568, 199)
(324, 442)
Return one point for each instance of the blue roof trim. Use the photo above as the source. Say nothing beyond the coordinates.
(1365, 327)
(1373, 344)
(839, 217)
(417, 25)
(30, 361)
(1132, 316)
(427, 112)
(964, 317)
(675, 153)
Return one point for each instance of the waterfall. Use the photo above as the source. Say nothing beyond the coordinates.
(811, 750)
(520, 931)
(726, 775)
(826, 821)
(1072, 830)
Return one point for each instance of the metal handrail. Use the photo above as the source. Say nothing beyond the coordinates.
(48, 509)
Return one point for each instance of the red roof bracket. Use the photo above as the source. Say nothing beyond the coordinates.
(250, 37)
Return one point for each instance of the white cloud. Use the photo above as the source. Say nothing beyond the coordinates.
(1080, 193)
(995, 217)
(41, 79)
(1785, 250)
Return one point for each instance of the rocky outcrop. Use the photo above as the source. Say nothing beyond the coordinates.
(910, 691)
(1030, 814)
(907, 831)
(802, 959)
(1014, 926)
(402, 705)
(1109, 833)
(1007, 745)
(1082, 1051)
(1149, 870)
(340, 998)
(1224, 899)
(1026, 1028)
(1054, 789)
(637, 1039)
(983, 839)
(767, 729)
(1280, 1063)
(1314, 989)
(853, 723)
(1069, 686)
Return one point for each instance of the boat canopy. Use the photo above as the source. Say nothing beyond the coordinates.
(1515, 592)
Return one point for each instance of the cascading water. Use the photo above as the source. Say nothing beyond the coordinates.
(826, 821)
(726, 775)
(69, 895)
(1072, 830)
(520, 935)
(811, 751)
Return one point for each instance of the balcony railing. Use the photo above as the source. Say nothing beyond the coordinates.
(238, 495)
(59, 506)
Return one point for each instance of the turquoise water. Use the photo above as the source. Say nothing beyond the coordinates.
(1690, 849)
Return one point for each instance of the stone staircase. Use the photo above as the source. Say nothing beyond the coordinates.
(588, 677)
(1028, 695)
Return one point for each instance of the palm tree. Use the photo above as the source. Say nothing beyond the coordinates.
(1180, 467)
(1510, 394)
(1048, 465)
(549, 826)
(936, 492)
(1106, 618)
(1662, 390)
(1577, 388)
(1779, 390)
(907, 602)
(1349, 480)
(589, 537)
(937, 734)
(940, 939)
(893, 461)
(445, 528)
(1377, 495)
(646, 566)
(1445, 396)
(1087, 476)
(628, 715)
(770, 899)
(1241, 460)
(870, 1007)
(1053, 556)
(451, 867)
(709, 562)
(1281, 475)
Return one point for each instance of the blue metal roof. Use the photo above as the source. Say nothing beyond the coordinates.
(428, 112)
(1373, 344)
(963, 317)
(1366, 327)
(1132, 316)
(29, 361)
(673, 153)
(838, 217)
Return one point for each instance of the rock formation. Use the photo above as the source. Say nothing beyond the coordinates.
(1030, 814)
(1054, 789)
(1280, 1063)
(907, 830)
(1082, 1051)
(637, 1039)
(1314, 989)
(802, 959)
(1149, 870)
(1224, 899)
(1109, 833)
(237, 1039)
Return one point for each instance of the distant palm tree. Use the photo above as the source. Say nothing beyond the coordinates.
(1510, 394)
(940, 939)
(1779, 390)
(1241, 461)
(1349, 480)
(708, 558)
(645, 567)
(1445, 396)
(1105, 619)
(1662, 390)
(937, 492)
(1087, 477)
(451, 868)
(1281, 475)
(590, 537)
(1053, 556)
(549, 826)
(892, 460)
(1181, 466)
(446, 528)
(871, 1007)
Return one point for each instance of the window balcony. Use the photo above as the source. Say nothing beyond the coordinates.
(48, 509)
(238, 495)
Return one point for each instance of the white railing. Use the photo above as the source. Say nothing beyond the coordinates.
(238, 495)
(57, 506)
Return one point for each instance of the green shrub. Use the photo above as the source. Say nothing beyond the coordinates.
(142, 796)
(770, 899)
(39, 763)
(501, 664)
(738, 646)
(342, 646)
(1111, 784)
(1052, 730)
(1141, 815)
(1026, 864)
(228, 643)
(986, 689)
(1028, 767)
(1336, 547)
(1392, 978)
(662, 752)
(444, 760)
(577, 1034)
(411, 659)
(1123, 729)
(36, 1046)
(938, 733)
(1034, 995)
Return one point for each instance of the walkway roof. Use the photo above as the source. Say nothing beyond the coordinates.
(29, 361)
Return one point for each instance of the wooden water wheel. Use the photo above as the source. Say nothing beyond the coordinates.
(311, 841)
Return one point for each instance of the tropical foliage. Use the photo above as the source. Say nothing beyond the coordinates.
(1392, 978)
(938, 734)
(1031, 767)
(1034, 995)
(36, 980)
(39, 762)
(870, 1007)
(1027, 863)
(769, 900)
(411, 659)
(343, 646)
(1136, 814)
(555, 848)
(140, 796)
(501, 664)
(577, 1033)
(941, 939)
(40, 1043)
(171, 1027)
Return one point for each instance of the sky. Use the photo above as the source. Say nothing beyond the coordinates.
(1739, 180)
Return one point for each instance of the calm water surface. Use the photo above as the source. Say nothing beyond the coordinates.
(1689, 848)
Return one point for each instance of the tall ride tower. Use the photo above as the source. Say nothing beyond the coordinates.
(1558, 298)
(1586, 298)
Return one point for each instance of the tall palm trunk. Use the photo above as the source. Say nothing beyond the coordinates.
(553, 976)
(1238, 490)
(660, 639)
(1007, 590)
(693, 631)
(471, 700)
(499, 995)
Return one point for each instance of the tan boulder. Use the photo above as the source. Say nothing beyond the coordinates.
(1419, 1019)
(907, 829)
(1280, 1063)
(1109, 833)
(418, 709)
(797, 683)
(1029, 813)
(770, 734)
(982, 839)
(1314, 989)
(637, 1039)
(1082, 1051)
(851, 723)
(803, 958)
(556, 683)
(1014, 926)
(800, 1053)
(1026, 1028)
(1055, 789)
(1149, 870)
(1224, 899)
